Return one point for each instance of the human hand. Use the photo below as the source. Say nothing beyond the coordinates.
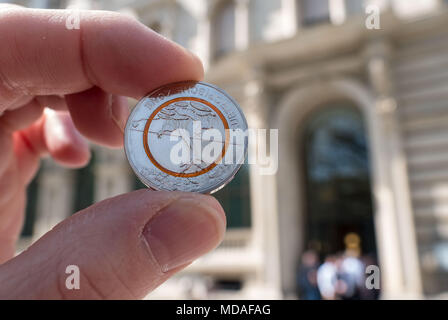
(124, 246)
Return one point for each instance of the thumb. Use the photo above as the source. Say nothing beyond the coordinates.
(124, 247)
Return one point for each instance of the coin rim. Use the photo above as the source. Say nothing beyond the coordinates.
(214, 188)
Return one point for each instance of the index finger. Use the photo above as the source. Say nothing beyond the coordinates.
(39, 55)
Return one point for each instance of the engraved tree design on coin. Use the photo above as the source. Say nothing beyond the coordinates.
(158, 117)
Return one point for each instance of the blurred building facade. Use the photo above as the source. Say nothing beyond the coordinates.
(363, 140)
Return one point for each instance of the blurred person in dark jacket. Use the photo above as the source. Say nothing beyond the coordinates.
(307, 276)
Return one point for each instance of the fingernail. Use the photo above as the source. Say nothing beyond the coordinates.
(185, 230)
(119, 111)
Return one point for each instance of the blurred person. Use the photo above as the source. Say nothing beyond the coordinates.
(124, 246)
(327, 277)
(349, 275)
(353, 266)
(307, 276)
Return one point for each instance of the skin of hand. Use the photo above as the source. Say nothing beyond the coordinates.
(125, 246)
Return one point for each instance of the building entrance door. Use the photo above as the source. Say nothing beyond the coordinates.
(338, 200)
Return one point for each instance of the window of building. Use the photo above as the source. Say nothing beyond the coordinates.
(314, 11)
(354, 7)
(48, 4)
(84, 186)
(31, 206)
(227, 285)
(223, 29)
(235, 199)
(185, 30)
(137, 183)
(264, 19)
(337, 179)
(156, 26)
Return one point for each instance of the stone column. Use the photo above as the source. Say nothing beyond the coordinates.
(203, 43)
(337, 11)
(263, 190)
(241, 24)
(394, 221)
(290, 20)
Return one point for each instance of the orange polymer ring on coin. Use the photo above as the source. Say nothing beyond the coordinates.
(179, 174)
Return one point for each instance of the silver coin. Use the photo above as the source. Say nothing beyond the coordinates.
(187, 136)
